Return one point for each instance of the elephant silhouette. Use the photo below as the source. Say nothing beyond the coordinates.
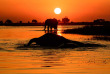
(51, 23)
(53, 40)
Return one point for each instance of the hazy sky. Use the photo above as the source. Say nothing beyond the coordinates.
(76, 10)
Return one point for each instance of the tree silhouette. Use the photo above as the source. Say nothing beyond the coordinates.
(65, 20)
(1, 22)
(28, 21)
(20, 21)
(8, 21)
(34, 21)
(99, 20)
(59, 21)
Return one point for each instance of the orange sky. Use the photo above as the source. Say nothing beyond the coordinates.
(76, 10)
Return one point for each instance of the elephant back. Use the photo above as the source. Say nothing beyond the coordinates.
(51, 22)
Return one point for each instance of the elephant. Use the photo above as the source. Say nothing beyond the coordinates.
(51, 23)
(53, 40)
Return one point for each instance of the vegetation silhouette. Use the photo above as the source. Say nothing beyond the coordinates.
(90, 30)
(53, 40)
(34, 21)
(20, 22)
(28, 22)
(8, 21)
(51, 23)
(1, 22)
(99, 20)
(65, 20)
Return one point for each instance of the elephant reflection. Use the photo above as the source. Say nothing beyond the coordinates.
(51, 23)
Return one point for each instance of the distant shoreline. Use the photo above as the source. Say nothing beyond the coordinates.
(42, 24)
(23, 24)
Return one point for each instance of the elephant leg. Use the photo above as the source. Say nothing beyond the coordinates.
(44, 27)
(48, 28)
(51, 28)
(55, 27)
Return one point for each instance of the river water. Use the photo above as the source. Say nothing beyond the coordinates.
(17, 59)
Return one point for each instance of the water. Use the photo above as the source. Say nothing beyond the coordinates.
(17, 59)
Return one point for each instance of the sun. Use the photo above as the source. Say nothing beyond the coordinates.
(57, 10)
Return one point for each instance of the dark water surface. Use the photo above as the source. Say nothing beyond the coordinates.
(17, 59)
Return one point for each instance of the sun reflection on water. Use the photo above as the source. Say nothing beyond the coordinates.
(59, 31)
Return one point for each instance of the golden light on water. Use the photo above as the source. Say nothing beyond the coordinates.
(16, 58)
(59, 31)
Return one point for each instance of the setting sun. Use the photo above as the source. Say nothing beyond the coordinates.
(57, 10)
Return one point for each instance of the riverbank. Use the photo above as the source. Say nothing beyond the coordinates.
(90, 30)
